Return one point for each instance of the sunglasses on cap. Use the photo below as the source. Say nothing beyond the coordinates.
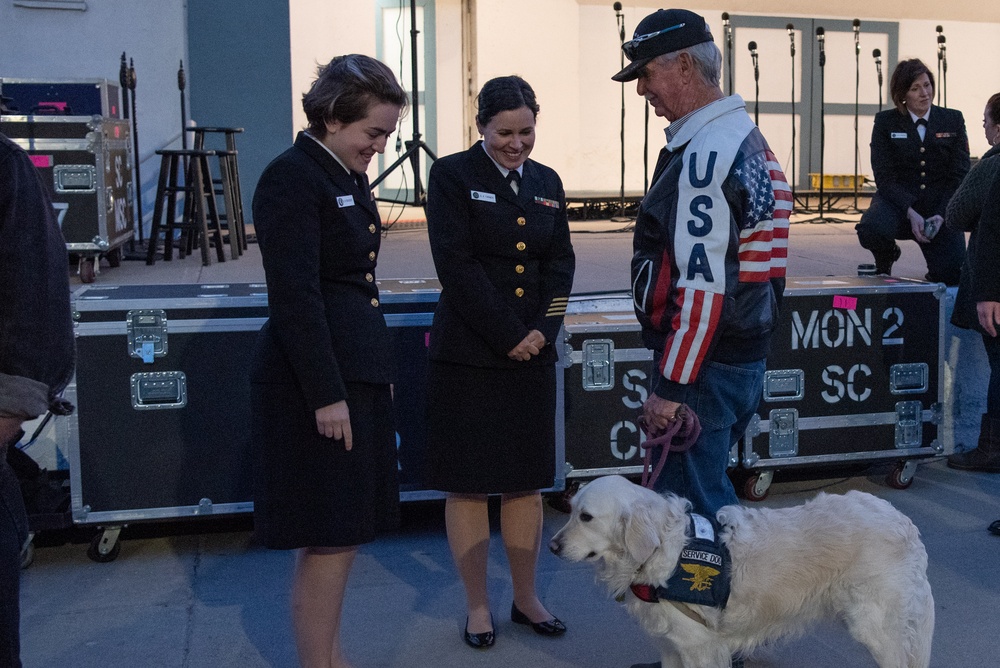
(630, 47)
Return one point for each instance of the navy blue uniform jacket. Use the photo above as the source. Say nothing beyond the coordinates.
(504, 260)
(925, 174)
(319, 236)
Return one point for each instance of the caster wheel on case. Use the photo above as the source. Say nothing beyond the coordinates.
(757, 486)
(114, 257)
(901, 475)
(105, 546)
(87, 269)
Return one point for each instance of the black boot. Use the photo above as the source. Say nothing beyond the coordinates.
(885, 260)
(986, 456)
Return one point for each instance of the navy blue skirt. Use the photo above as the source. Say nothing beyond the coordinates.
(490, 431)
(308, 490)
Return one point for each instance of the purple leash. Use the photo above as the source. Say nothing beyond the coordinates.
(679, 436)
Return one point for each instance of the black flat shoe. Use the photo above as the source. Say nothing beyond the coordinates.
(479, 640)
(553, 627)
(994, 528)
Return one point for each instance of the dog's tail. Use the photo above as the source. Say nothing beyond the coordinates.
(920, 632)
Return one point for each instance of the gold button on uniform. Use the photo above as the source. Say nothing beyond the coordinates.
(923, 163)
(371, 228)
(922, 149)
(521, 220)
(369, 278)
(923, 186)
(371, 256)
(923, 174)
(519, 292)
(519, 268)
(521, 245)
(374, 302)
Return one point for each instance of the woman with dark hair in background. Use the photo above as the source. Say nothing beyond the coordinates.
(501, 245)
(977, 304)
(920, 154)
(321, 404)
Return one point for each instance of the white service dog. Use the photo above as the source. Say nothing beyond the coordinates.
(852, 557)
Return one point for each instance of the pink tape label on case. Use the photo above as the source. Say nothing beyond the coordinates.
(41, 161)
(848, 303)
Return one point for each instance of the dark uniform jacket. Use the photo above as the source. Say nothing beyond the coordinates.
(36, 330)
(911, 173)
(971, 204)
(504, 260)
(319, 235)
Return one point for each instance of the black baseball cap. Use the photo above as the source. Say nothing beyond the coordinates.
(663, 31)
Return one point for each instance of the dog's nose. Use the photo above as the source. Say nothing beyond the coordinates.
(555, 545)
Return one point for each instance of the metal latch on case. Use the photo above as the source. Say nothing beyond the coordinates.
(598, 364)
(908, 378)
(147, 334)
(783, 432)
(909, 424)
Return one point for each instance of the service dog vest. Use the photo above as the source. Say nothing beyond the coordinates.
(703, 572)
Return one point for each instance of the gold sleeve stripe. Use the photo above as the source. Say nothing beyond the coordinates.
(558, 307)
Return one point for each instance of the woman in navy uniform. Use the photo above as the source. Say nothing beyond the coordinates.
(325, 461)
(920, 154)
(501, 245)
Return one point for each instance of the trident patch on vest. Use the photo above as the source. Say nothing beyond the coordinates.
(703, 571)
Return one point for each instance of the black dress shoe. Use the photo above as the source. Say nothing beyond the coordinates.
(553, 627)
(479, 640)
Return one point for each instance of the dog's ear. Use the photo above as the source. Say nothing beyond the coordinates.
(642, 536)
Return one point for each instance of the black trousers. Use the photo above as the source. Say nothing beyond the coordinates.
(13, 534)
(883, 223)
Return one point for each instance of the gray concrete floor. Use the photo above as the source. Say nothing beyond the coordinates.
(193, 595)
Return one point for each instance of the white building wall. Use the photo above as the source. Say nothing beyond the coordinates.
(49, 44)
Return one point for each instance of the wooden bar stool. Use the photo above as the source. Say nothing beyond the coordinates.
(229, 169)
(200, 214)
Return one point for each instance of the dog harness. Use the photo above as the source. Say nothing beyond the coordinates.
(703, 572)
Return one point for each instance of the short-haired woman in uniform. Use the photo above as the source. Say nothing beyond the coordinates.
(325, 460)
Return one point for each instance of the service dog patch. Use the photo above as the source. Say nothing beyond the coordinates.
(703, 574)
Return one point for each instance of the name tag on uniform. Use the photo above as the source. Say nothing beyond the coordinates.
(551, 203)
(945, 135)
(345, 201)
(898, 135)
(483, 197)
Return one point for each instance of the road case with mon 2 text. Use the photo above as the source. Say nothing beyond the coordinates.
(854, 375)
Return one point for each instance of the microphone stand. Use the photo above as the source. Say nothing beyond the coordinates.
(135, 145)
(944, 71)
(756, 83)
(857, 89)
(181, 83)
(416, 144)
(620, 20)
(878, 69)
(821, 38)
(791, 35)
(940, 45)
(728, 30)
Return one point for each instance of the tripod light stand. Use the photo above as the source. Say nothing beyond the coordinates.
(416, 144)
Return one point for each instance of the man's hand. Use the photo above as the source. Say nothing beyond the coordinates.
(334, 421)
(658, 413)
(9, 429)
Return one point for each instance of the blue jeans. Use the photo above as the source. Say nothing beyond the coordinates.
(724, 398)
(13, 534)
